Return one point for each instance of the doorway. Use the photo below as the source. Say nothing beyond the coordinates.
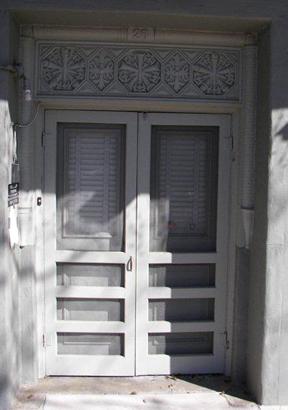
(136, 235)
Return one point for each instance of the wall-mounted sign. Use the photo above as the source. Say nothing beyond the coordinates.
(13, 194)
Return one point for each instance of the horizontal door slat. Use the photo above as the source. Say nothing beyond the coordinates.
(180, 293)
(185, 364)
(91, 257)
(90, 327)
(168, 327)
(85, 365)
(182, 258)
(90, 292)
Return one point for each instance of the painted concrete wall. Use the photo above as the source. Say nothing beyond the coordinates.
(257, 274)
(9, 259)
(267, 335)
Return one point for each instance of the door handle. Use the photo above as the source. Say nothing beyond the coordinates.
(129, 265)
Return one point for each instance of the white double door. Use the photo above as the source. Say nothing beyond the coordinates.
(136, 232)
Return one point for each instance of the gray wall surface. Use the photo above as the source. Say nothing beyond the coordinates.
(267, 335)
(9, 260)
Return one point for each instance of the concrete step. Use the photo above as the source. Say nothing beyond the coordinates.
(199, 401)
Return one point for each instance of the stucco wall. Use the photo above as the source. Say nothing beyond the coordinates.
(9, 259)
(267, 337)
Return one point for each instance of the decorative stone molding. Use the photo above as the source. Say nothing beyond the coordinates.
(123, 71)
(248, 138)
(120, 35)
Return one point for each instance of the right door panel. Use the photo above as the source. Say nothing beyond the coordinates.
(182, 231)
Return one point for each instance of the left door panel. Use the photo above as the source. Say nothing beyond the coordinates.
(90, 236)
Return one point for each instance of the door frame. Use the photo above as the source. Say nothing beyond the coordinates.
(230, 110)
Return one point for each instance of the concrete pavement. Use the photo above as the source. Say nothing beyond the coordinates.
(129, 393)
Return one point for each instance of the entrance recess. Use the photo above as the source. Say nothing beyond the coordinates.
(136, 233)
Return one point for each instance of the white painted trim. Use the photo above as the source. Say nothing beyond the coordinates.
(233, 223)
(142, 249)
(39, 249)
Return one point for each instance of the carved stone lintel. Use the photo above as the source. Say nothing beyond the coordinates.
(123, 71)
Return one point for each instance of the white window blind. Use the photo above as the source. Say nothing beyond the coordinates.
(91, 186)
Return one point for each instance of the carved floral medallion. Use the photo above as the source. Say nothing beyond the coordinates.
(176, 72)
(139, 71)
(63, 69)
(214, 73)
(101, 70)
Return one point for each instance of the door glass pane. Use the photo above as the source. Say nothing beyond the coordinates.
(90, 187)
(181, 343)
(181, 310)
(78, 274)
(90, 344)
(182, 276)
(184, 164)
(90, 309)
